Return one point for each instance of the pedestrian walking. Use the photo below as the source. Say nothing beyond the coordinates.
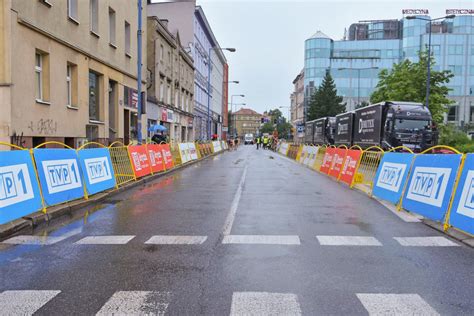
(265, 142)
(258, 140)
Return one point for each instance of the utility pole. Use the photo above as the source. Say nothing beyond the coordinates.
(139, 74)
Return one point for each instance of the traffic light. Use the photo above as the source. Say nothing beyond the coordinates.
(262, 120)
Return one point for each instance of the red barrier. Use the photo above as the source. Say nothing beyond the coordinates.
(167, 157)
(140, 161)
(337, 162)
(327, 160)
(156, 157)
(350, 166)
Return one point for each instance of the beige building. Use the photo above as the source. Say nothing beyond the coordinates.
(68, 71)
(297, 106)
(171, 82)
(245, 121)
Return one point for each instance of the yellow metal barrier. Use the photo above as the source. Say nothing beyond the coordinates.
(174, 147)
(298, 155)
(367, 168)
(121, 163)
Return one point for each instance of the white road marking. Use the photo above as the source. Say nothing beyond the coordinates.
(263, 303)
(136, 303)
(176, 240)
(235, 204)
(33, 240)
(105, 240)
(262, 239)
(24, 302)
(403, 215)
(395, 304)
(348, 241)
(437, 241)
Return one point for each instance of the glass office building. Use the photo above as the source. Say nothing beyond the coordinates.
(371, 46)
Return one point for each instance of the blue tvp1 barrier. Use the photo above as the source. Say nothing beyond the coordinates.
(59, 174)
(392, 175)
(462, 211)
(97, 170)
(431, 185)
(19, 190)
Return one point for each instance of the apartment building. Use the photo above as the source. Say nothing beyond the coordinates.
(246, 121)
(68, 71)
(297, 107)
(171, 82)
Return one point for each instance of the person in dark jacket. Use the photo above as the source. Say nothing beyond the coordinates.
(159, 138)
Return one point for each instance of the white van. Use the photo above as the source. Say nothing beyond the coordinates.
(248, 139)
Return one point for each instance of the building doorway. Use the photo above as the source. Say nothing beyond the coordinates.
(113, 107)
(126, 127)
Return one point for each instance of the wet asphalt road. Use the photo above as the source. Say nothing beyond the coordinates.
(280, 207)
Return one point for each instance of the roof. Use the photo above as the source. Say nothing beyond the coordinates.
(244, 111)
(319, 34)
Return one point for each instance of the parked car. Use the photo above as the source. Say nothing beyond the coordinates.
(248, 139)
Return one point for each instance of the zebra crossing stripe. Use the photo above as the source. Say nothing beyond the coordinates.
(105, 240)
(262, 239)
(437, 241)
(395, 304)
(264, 303)
(24, 302)
(348, 241)
(176, 240)
(33, 240)
(136, 303)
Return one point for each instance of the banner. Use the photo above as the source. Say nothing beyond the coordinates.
(431, 185)
(462, 211)
(97, 170)
(283, 149)
(184, 152)
(139, 159)
(337, 162)
(216, 146)
(156, 157)
(350, 165)
(312, 153)
(327, 160)
(391, 176)
(19, 189)
(59, 175)
(167, 157)
(192, 151)
(304, 155)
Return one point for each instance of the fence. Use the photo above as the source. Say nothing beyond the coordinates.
(35, 179)
(439, 186)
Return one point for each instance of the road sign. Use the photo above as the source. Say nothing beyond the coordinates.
(59, 174)
(462, 212)
(19, 190)
(96, 167)
(392, 175)
(431, 184)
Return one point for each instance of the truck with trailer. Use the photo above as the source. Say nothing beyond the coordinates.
(308, 132)
(320, 131)
(388, 125)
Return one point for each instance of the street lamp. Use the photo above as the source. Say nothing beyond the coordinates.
(358, 78)
(236, 82)
(428, 71)
(209, 84)
(232, 109)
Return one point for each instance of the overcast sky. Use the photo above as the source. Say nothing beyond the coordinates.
(269, 37)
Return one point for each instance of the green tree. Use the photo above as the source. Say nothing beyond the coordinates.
(267, 128)
(363, 104)
(325, 101)
(406, 81)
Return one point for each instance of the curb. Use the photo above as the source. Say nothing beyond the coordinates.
(451, 232)
(35, 219)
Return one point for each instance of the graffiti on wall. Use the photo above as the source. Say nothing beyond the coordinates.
(43, 127)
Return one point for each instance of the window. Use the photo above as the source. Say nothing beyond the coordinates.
(452, 113)
(94, 16)
(71, 85)
(162, 91)
(455, 50)
(94, 97)
(111, 27)
(72, 9)
(127, 38)
(162, 52)
(39, 76)
(455, 69)
(168, 94)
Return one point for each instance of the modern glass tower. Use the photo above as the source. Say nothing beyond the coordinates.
(371, 46)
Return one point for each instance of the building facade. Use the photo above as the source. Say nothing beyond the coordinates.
(246, 121)
(375, 45)
(68, 71)
(297, 107)
(197, 37)
(170, 82)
